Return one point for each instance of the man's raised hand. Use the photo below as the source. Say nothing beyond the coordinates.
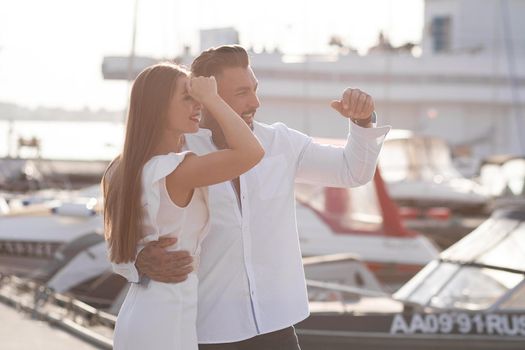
(355, 104)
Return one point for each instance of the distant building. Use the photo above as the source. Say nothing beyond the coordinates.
(218, 36)
(473, 26)
(467, 86)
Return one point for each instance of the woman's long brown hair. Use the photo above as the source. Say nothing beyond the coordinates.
(122, 181)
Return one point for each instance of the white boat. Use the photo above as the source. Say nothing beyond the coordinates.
(504, 178)
(40, 224)
(365, 222)
(419, 172)
(62, 236)
(4, 206)
(471, 297)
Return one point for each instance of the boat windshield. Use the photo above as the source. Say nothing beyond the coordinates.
(451, 286)
(343, 209)
(516, 301)
(514, 173)
(491, 177)
(416, 158)
(507, 179)
(474, 288)
(4, 207)
(496, 242)
(476, 272)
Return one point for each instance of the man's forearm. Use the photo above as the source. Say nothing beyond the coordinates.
(348, 166)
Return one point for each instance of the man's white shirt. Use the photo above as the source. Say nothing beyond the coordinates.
(251, 277)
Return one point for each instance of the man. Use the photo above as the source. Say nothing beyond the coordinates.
(251, 281)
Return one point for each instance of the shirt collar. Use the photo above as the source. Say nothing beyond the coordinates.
(207, 132)
(202, 133)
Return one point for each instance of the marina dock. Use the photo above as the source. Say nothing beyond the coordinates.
(20, 332)
(35, 318)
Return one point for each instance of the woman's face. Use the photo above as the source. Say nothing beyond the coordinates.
(184, 113)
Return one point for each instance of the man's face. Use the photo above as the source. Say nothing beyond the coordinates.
(238, 88)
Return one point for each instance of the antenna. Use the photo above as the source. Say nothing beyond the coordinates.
(509, 50)
(131, 58)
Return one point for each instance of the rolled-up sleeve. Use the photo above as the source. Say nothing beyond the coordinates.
(336, 166)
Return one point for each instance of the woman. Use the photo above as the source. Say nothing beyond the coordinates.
(155, 189)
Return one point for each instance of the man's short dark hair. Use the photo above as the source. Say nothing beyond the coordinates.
(214, 60)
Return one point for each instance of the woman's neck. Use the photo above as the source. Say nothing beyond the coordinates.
(170, 142)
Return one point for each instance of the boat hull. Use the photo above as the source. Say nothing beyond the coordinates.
(412, 331)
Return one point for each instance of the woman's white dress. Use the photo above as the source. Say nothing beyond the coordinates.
(158, 315)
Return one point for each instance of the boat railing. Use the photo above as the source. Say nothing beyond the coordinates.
(347, 289)
(74, 316)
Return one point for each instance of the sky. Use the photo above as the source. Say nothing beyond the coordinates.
(51, 51)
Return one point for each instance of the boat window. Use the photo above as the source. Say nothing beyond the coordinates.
(344, 209)
(394, 161)
(516, 301)
(474, 288)
(491, 177)
(422, 164)
(481, 240)
(4, 207)
(408, 288)
(514, 172)
(438, 154)
(431, 285)
(508, 253)
(417, 158)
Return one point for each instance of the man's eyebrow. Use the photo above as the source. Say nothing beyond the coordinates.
(249, 88)
(242, 88)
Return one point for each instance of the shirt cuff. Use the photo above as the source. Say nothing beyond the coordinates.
(368, 133)
(128, 271)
